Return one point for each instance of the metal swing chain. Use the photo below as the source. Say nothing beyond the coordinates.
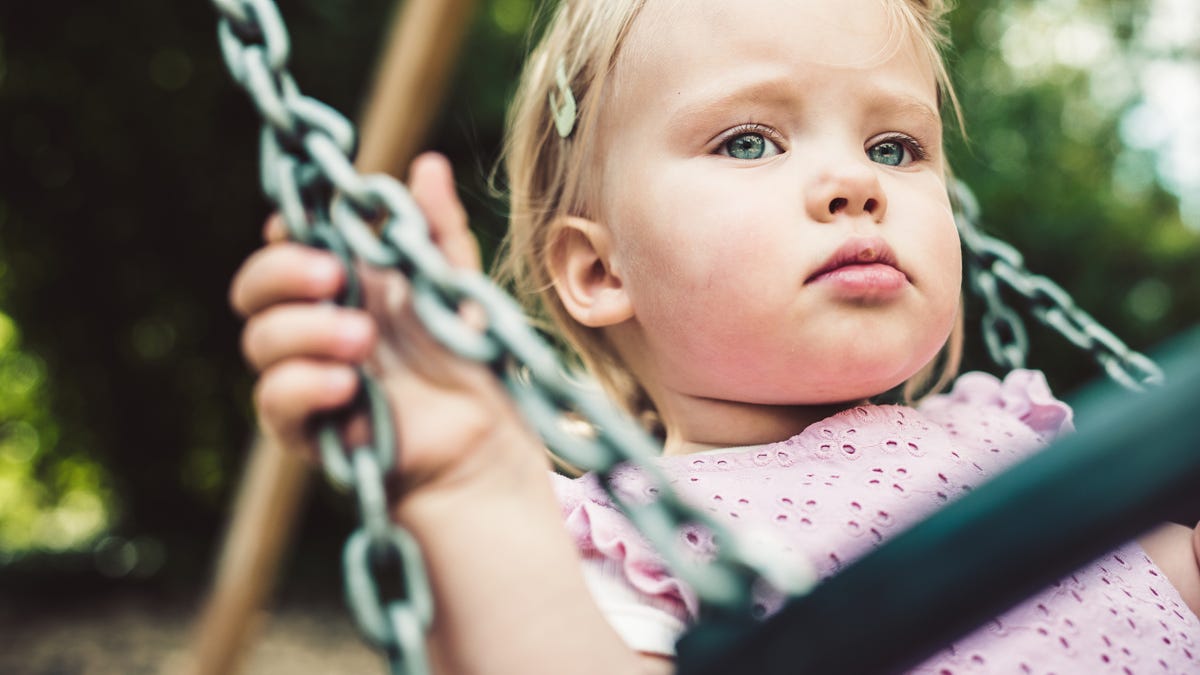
(303, 147)
(993, 263)
(306, 170)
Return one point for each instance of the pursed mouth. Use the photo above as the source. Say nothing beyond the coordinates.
(859, 251)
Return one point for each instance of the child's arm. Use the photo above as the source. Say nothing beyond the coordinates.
(1176, 551)
(1196, 552)
(505, 601)
(510, 596)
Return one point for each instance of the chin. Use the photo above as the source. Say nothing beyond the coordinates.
(850, 386)
(858, 392)
(861, 379)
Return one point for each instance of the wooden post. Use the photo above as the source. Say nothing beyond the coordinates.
(408, 87)
(264, 516)
(410, 82)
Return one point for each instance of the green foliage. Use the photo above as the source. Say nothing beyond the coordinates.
(1045, 157)
(58, 505)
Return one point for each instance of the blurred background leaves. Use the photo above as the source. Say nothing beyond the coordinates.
(128, 197)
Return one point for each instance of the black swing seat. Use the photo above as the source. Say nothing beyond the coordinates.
(1134, 463)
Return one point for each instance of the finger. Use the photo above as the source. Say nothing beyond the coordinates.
(1196, 543)
(431, 180)
(389, 299)
(307, 330)
(290, 393)
(285, 272)
(275, 230)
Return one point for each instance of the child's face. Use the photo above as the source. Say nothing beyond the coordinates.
(747, 145)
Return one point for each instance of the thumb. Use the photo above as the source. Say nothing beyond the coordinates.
(431, 180)
(274, 230)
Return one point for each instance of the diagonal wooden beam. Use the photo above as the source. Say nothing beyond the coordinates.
(408, 87)
(410, 82)
(264, 517)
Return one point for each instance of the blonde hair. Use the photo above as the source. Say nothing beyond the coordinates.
(548, 176)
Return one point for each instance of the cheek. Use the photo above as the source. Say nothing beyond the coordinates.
(944, 278)
(950, 259)
(938, 252)
(669, 241)
(704, 266)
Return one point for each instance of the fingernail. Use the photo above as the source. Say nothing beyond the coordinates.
(352, 331)
(324, 271)
(332, 265)
(352, 328)
(342, 379)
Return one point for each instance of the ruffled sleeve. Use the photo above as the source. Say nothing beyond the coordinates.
(642, 601)
(1022, 395)
(602, 533)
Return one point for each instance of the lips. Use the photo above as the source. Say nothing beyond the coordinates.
(868, 253)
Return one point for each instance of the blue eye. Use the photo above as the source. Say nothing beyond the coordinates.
(896, 152)
(749, 146)
(890, 153)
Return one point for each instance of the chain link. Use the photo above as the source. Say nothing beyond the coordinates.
(993, 263)
(304, 148)
(325, 202)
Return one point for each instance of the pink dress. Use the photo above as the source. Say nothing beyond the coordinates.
(838, 489)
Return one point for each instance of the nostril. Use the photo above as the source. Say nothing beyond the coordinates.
(837, 204)
(871, 206)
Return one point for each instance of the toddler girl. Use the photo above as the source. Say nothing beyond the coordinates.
(736, 214)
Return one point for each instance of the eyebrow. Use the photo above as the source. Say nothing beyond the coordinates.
(907, 106)
(780, 90)
(767, 91)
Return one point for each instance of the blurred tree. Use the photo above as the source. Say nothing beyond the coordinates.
(1046, 88)
(128, 196)
(40, 506)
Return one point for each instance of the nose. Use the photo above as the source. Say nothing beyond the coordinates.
(850, 189)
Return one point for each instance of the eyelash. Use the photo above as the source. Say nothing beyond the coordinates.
(914, 146)
(911, 144)
(749, 128)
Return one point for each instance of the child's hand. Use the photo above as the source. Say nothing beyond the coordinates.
(1176, 550)
(453, 420)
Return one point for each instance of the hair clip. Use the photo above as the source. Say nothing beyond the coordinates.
(564, 115)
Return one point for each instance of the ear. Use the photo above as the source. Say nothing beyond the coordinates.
(587, 282)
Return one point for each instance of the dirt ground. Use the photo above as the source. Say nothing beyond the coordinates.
(136, 636)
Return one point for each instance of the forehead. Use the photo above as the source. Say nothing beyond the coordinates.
(674, 45)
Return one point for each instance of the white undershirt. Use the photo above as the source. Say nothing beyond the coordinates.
(644, 623)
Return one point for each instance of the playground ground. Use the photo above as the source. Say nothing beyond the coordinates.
(136, 635)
